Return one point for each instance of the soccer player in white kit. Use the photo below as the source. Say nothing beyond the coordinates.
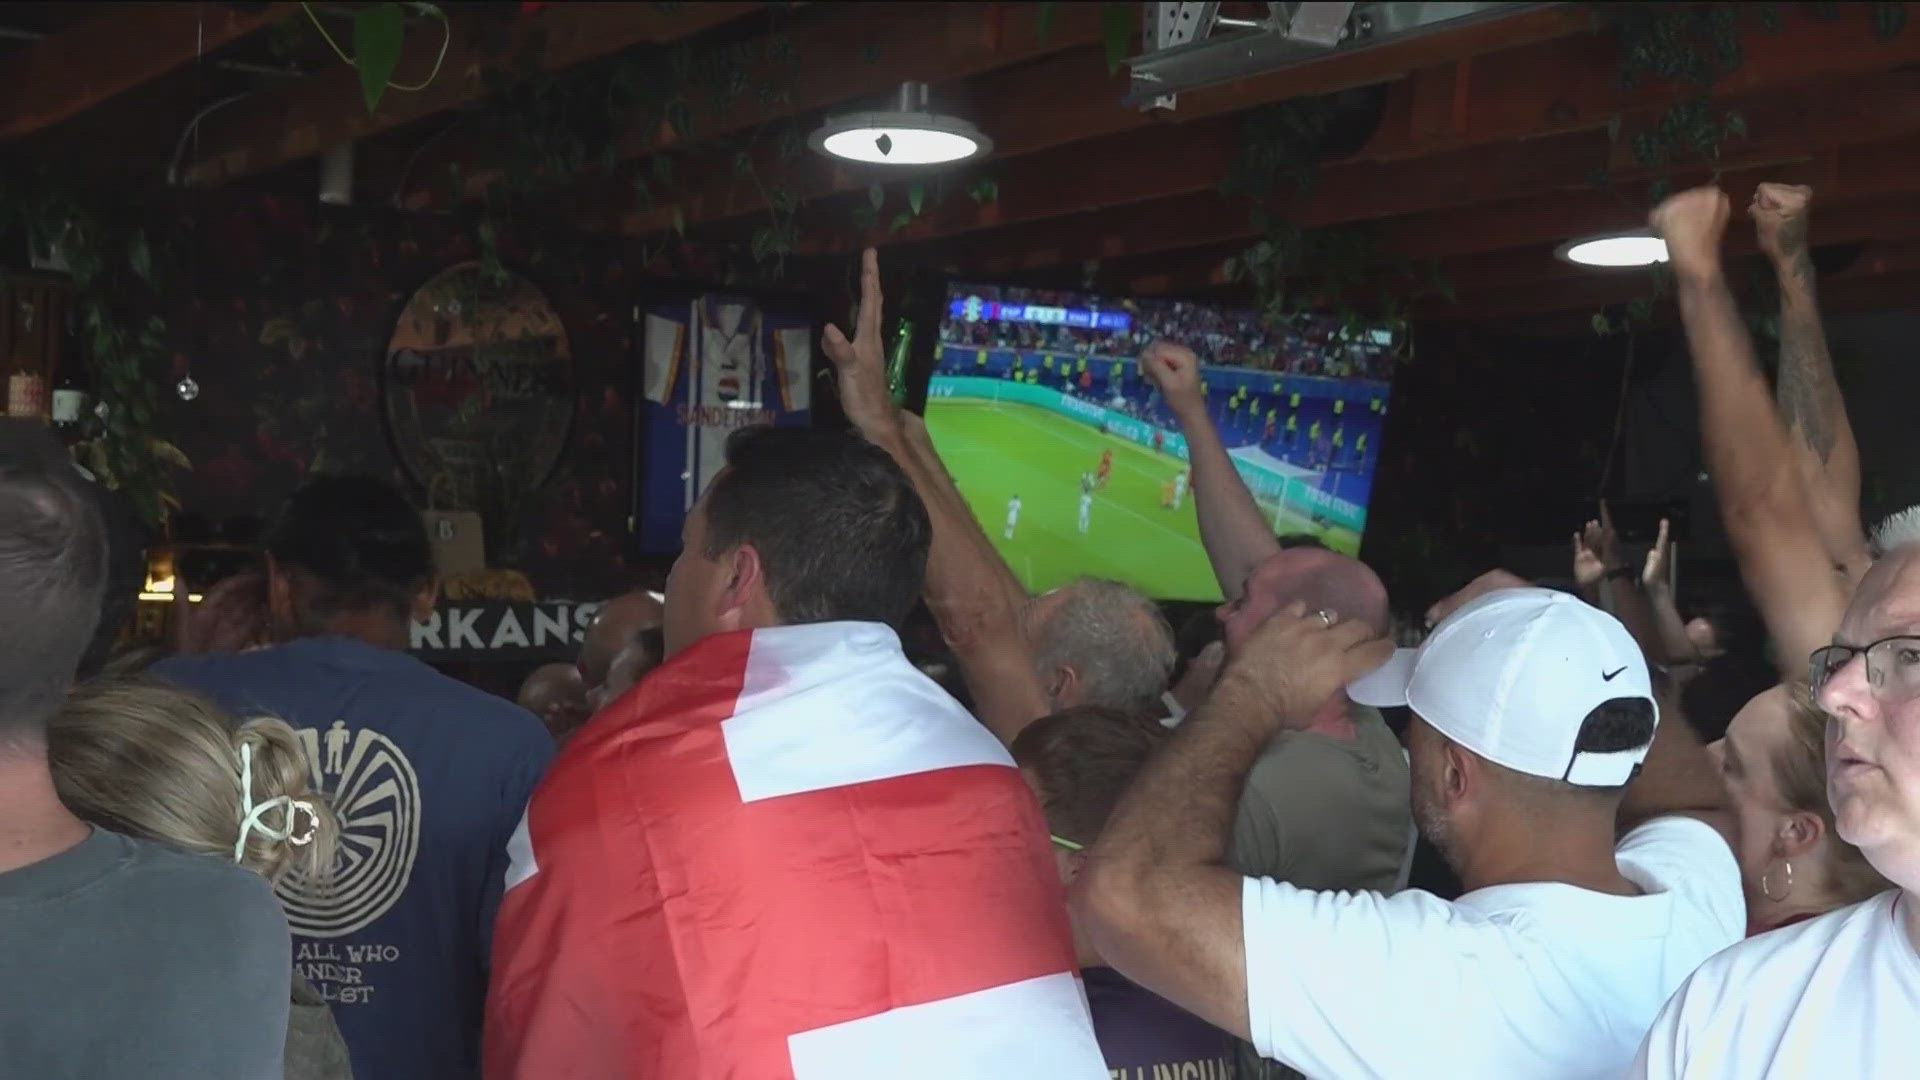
(1086, 510)
(1179, 489)
(1013, 515)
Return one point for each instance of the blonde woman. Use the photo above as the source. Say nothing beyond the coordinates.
(145, 759)
(1792, 860)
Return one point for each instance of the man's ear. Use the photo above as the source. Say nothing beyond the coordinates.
(421, 608)
(281, 614)
(1063, 686)
(745, 582)
(1458, 775)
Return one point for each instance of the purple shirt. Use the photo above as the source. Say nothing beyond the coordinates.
(1144, 1036)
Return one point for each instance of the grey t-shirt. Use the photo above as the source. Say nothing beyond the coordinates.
(122, 959)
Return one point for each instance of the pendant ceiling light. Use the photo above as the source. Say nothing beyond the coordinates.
(908, 134)
(1613, 250)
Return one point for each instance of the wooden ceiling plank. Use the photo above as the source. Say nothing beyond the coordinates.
(127, 46)
(283, 125)
(1074, 98)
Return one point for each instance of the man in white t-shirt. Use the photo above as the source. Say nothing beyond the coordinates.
(1086, 511)
(1532, 712)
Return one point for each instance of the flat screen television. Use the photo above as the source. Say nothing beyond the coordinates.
(1073, 465)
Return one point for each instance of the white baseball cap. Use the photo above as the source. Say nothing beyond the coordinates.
(1512, 677)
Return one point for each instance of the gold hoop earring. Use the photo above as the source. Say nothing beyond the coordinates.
(1766, 882)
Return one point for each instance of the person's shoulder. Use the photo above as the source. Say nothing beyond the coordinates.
(206, 888)
(1787, 954)
(1675, 839)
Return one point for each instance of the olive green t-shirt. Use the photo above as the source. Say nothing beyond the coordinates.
(1324, 813)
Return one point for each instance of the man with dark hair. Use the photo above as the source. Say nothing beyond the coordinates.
(118, 957)
(1079, 761)
(787, 852)
(1532, 713)
(428, 776)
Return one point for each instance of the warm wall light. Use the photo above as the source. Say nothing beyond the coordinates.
(908, 134)
(1615, 250)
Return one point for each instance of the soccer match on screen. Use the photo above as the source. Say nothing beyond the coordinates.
(1073, 464)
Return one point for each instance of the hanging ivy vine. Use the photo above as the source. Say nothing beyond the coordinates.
(1293, 270)
(114, 258)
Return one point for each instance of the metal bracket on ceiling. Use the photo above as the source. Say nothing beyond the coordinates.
(1189, 52)
(1173, 24)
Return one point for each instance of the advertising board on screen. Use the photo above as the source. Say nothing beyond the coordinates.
(1073, 464)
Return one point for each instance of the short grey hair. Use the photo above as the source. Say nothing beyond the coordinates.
(1115, 638)
(1897, 531)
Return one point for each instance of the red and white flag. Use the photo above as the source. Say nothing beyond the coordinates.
(785, 854)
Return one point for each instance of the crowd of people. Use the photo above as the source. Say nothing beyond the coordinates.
(1307, 343)
(745, 836)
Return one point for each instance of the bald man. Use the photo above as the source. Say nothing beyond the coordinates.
(621, 622)
(1328, 807)
(556, 694)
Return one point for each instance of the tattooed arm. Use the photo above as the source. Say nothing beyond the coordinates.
(1810, 403)
(1756, 481)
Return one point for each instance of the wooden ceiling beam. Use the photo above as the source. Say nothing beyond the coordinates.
(846, 52)
(1074, 97)
(281, 125)
(1524, 192)
(108, 54)
(1575, 84)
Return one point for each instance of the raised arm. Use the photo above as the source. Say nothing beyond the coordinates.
(1157, 897)
(1756, 475)
(974, 596)
(1232, 528)
(1810, 401)
(1656, 579)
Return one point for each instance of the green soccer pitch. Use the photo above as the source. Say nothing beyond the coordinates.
(998, 450)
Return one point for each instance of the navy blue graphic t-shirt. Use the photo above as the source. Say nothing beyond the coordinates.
(428, 777)
(1146, 1037)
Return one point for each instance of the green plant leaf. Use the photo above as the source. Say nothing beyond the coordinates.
(1043, 22)
(378, 31)
(680, 222)
(876, 196)
(900, 221)
(916, 196)
(1118, 31)
(140, 256)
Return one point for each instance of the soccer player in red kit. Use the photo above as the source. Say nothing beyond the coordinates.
(1106, 468)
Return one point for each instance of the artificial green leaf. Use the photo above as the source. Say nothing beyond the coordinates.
(679, 222)
(378, 31)
(916, 196)
(140, 256)
(900, 221)
(876, 196)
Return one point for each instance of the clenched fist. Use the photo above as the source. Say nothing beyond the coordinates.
(1692, 223)
(1780, 219)
(1176, 371)
(1300, 659)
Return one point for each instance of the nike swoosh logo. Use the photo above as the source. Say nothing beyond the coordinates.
(1606, 677)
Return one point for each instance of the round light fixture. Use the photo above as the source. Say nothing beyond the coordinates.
(1616, 250)
(909, 134)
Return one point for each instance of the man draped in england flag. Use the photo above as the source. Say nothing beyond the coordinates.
(786, 854)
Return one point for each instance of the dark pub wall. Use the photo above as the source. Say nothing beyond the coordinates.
(283, 318)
